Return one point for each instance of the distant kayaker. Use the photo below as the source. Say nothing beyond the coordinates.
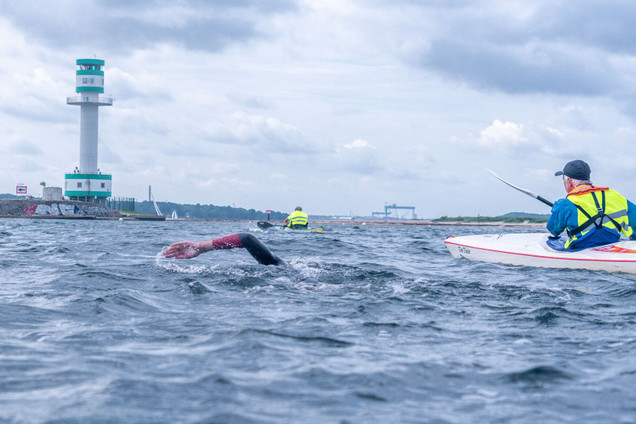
(190, 249)
(297, 219)
(591, 215)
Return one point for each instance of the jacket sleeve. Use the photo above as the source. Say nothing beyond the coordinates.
(563, 212)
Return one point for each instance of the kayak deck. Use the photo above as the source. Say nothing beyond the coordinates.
(530, 249)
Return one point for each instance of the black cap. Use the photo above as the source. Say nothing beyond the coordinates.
(576, 169)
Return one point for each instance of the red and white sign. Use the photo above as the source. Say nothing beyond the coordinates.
(268, 212)
(20, 189)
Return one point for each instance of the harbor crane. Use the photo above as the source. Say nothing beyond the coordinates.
(388, 208)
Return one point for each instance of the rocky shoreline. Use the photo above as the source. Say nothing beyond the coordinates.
(62, 209)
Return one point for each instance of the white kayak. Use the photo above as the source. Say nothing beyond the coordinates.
(530, 249)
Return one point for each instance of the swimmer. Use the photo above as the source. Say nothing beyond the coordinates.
(190, 249)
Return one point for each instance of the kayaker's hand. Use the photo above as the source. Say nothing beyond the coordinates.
(182, 250)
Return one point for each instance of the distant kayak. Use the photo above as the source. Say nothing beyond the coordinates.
(264, 225)
(531, 249)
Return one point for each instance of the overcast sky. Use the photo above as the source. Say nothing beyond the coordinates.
(340, 106)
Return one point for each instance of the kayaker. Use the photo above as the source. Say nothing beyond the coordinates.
(591, 215)
(190, 249)
(297, 219)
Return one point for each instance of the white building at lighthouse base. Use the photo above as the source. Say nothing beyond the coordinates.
(88, 187)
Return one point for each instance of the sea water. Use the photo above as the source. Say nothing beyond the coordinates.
(367, 324)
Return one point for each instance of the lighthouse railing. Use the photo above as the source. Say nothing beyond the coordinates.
(79, 100)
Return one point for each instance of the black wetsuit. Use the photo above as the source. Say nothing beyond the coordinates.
(254, 246)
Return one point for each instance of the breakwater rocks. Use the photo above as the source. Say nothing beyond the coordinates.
(36, 208)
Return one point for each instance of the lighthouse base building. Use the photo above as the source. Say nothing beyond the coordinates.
(88, 187)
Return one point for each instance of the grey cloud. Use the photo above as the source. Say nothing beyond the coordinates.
(129, 25)
(547, 70)
(608, 25)
(560, 47)
(267, 6)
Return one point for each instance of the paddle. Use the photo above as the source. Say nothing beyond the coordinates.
(523, 190)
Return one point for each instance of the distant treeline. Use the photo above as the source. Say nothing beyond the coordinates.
(206, 211)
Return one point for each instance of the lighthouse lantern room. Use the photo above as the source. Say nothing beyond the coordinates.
(87, 182)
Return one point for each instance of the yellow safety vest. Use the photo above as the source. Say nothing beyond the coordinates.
(598, 207)
(298, 218)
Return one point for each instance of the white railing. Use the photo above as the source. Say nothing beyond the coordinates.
(79, 100)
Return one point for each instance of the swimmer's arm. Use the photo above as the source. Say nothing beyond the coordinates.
(191, 249)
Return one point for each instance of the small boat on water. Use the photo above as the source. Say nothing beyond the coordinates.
(531, 249)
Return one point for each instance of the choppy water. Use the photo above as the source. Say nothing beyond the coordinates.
(368, 325)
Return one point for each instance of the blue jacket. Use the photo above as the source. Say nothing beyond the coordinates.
(565, 215)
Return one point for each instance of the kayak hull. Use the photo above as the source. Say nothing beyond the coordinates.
(303, 230)
(264, 225)
(531, 250)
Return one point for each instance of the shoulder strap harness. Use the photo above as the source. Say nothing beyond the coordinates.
(597, 219)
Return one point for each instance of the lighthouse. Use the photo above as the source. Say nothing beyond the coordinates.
(87, 182)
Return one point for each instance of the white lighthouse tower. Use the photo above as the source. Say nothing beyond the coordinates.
(87, 183)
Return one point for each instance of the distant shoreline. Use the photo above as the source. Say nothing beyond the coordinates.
(66, 209)
(377, 222)
(331, 222)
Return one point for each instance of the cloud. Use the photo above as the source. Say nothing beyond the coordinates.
(33, 94)
(108, 156)
(250, 102)
(266, 135)
(114, 26)
(280, 179)
(520, 140)
(136, 86)
(359, 157)
(25, 148)
(522, 69)
(501, 135)
(358, 144)
(608, 25)
(522, 47)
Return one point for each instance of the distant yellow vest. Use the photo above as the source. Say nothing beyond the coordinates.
(598, 206)
(298, 218)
